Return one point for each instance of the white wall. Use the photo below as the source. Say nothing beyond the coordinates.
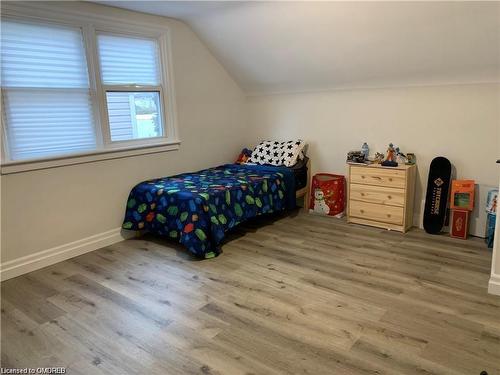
(460, 122)
(494, 284)
(53, 207)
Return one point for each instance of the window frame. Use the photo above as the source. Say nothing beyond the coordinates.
(103, 88)
(91, 25)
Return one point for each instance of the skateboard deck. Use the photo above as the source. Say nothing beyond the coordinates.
(436, 199)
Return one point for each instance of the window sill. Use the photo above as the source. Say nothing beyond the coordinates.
(89, 157)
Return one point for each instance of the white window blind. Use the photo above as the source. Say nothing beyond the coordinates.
(54, 106)
(128, 61)
(45, 91)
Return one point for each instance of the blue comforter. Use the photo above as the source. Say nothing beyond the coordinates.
(197, 209)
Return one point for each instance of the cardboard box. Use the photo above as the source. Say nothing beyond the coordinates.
(462, 195)
(459, 224)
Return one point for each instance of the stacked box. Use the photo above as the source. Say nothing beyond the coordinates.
(491, 210)
(490, 230)
(461, 204)
(459, 223)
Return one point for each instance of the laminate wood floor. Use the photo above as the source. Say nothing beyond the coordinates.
(300, 295)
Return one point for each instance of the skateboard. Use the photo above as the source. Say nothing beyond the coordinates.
(436, 199)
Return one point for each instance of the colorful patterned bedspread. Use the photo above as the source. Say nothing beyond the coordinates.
(197, 209)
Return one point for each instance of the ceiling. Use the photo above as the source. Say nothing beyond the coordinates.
(286, 46)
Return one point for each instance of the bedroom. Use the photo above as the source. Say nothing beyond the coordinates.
(291, 291)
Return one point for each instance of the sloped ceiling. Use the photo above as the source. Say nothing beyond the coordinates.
(301, 46)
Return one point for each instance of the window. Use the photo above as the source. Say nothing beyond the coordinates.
(46, 93)
(73, 89)
(133, 115)
(131, 80)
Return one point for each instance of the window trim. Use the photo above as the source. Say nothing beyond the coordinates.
(91, 24)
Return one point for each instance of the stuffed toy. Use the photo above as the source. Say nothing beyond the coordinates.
(244, 156)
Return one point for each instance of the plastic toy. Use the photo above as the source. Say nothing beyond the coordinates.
(379, 158)
(390, 159)
(365, 150)
(356, 157)
(411, 158)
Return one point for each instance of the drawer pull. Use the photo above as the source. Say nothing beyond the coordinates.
(362, 211)
(362, 194)
(389, 197)
(390, 178)
(388, 215)
(362, 176)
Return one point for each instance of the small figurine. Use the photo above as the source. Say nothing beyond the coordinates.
(400, 157)
(244, 156)
(355, 157)
(391, 153)
(390, 160)
(411, 159)
(365, 150)
(379, 158)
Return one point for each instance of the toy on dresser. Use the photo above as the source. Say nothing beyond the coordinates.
(391, 156)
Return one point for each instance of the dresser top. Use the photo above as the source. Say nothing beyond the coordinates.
(400, 166)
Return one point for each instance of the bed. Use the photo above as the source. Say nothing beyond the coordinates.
(198, 209)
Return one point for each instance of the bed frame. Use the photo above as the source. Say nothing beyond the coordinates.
(304, 192)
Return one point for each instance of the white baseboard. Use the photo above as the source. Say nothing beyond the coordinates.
(494, 285)
(57, 254)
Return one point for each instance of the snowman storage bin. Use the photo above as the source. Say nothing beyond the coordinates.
(328, 194)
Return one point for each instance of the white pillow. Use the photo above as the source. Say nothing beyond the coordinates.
(277, 153)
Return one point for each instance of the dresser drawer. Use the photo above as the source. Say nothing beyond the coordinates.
(378, 176)
(376, 212)
(377, 194)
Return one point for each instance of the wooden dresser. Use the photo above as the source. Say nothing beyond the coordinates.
(381, 196)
